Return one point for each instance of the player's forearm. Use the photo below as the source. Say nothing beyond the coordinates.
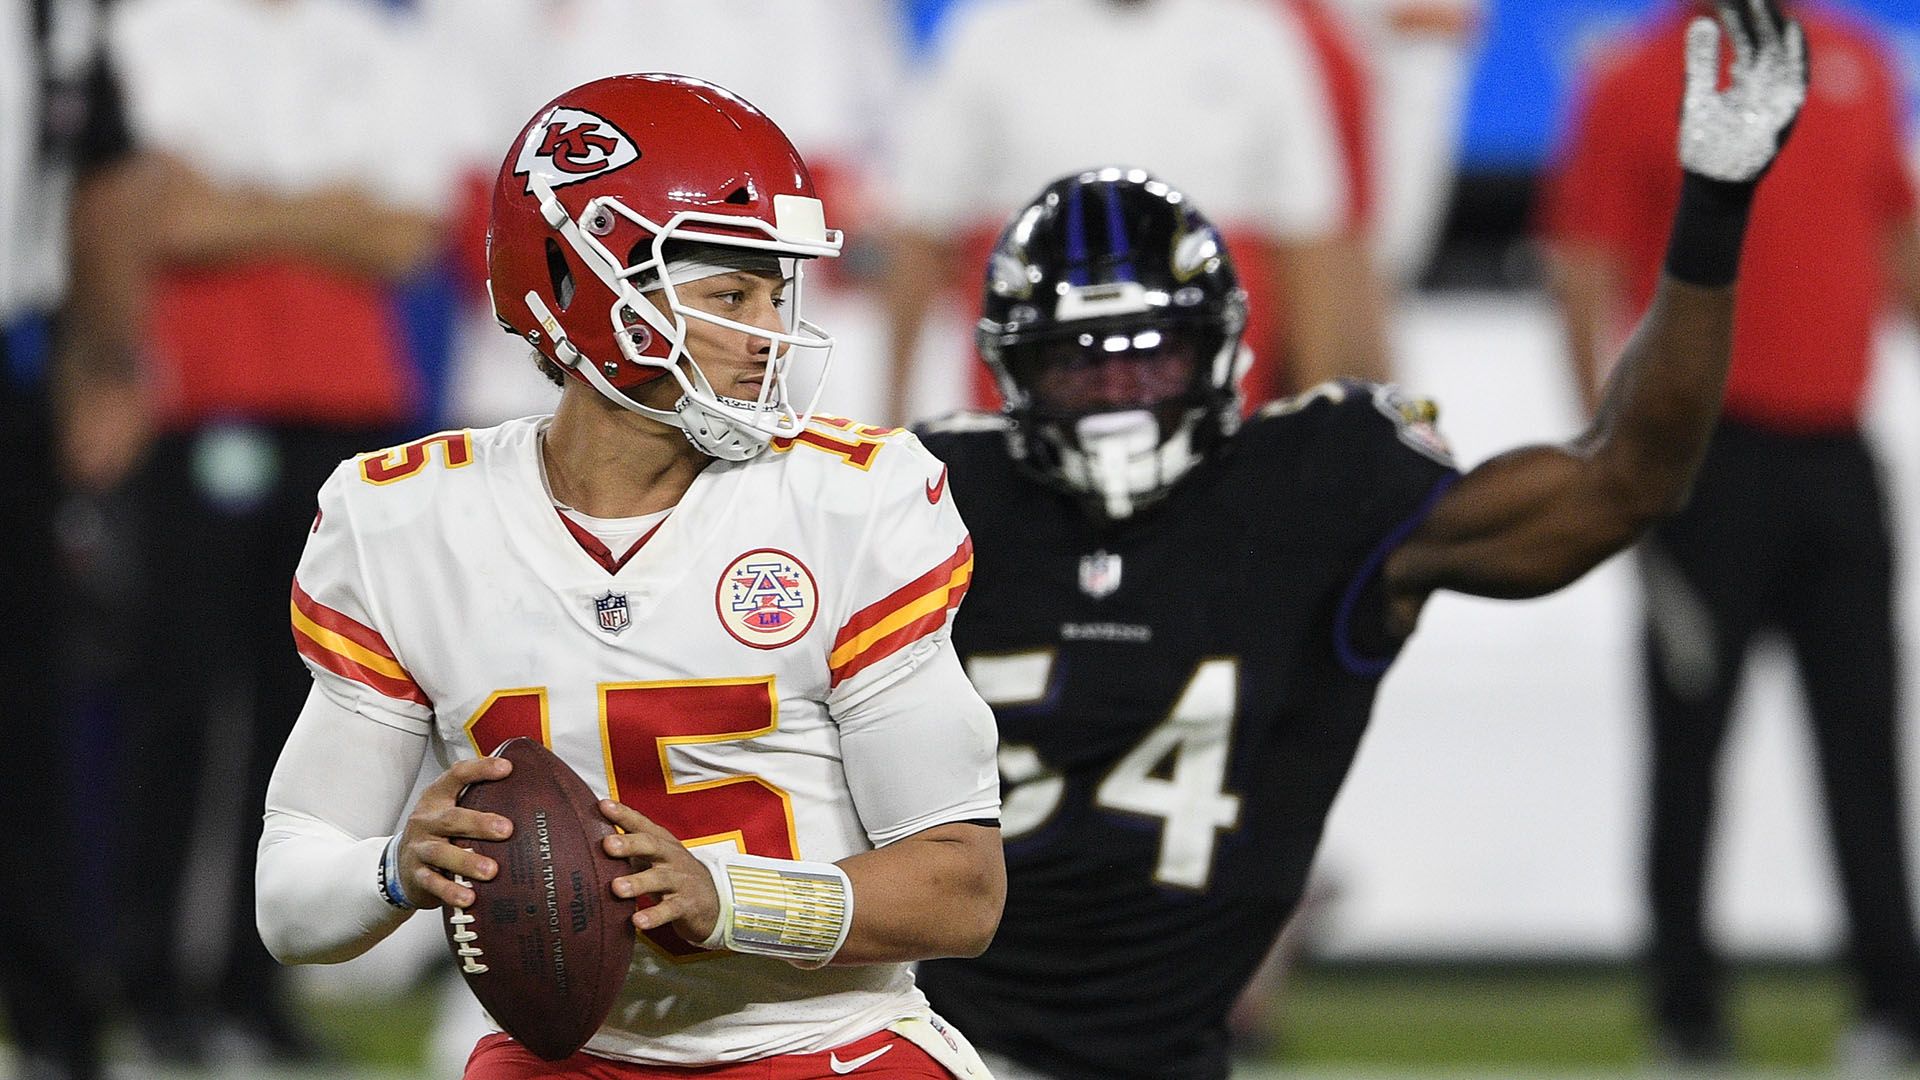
(1535, 519)
(340, 786)
(936, 893)
(1658, 408)
(317, 900)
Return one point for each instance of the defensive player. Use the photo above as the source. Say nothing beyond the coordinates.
(1181, 626)
(729, 618)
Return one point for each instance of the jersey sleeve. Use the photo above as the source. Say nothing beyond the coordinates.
(910, 568)
(335, 626)
(1380, 454)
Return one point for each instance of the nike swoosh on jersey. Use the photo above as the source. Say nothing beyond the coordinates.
(843, 1067)
(936, 486)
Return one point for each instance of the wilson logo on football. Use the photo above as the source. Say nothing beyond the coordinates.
(767, 599)
(571, 145)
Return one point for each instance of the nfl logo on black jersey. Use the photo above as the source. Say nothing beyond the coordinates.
(612, 610)
(1099, 574)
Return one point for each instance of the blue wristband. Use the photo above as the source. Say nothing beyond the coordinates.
(390, 890)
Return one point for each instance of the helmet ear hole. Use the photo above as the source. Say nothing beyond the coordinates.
(559, 275)
(740, 196)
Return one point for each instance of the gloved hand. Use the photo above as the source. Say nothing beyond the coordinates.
(1733, 135)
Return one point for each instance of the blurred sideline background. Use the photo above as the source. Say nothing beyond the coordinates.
(1478, 905)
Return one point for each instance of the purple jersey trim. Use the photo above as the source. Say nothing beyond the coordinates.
(1368, 667)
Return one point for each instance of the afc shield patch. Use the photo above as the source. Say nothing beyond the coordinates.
(612, 612)
(1099, 574)
(766, 599)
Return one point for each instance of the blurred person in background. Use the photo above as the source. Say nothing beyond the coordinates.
(62, 138)
(1226, 92)
(278, 194)
(1787, 528)
(1181, 622)
(1396, 72)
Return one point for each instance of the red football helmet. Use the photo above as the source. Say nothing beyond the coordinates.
(597, 200)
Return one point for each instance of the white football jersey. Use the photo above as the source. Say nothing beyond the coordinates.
(696, 681)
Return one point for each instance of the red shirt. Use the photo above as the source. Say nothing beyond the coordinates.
(279, 341)
(1813, 274)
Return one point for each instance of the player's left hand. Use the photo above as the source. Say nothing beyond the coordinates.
(1732, 135)
(681, 885)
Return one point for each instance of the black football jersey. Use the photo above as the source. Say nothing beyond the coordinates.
(1179, 697)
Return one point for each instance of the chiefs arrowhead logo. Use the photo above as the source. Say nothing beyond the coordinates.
(571, 145)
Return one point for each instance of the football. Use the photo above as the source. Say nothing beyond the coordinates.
(546, 944)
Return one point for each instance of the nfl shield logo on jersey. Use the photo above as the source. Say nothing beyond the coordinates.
(767, 599)
(1099, 574)
(612, 611)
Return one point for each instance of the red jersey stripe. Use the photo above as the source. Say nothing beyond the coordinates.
(901, 638)
(346, 667)
(873, 614)
(904, 626)
(340, 623)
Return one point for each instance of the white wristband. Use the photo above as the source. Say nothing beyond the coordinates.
(797, 911)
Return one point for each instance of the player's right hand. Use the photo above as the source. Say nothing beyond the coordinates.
(428, 855)
(1732, 135)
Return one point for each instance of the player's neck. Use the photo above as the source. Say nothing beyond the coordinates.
(607, 462)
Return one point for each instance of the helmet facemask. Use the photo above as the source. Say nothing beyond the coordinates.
(686, 248)
(1120, 409)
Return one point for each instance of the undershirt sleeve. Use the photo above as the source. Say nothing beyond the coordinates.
(339, 790)
(920, 751)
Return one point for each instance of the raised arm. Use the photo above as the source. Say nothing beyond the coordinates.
(1535, 519)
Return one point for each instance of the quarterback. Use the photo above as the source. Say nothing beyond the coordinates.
(1181, 621)
(729, 616)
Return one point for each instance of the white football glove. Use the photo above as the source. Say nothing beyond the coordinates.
(1732, 135)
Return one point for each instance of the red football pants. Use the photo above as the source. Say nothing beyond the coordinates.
(880, 1056)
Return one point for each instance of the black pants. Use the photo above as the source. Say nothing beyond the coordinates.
(47, 976)
(1785, 533)
(225, 513)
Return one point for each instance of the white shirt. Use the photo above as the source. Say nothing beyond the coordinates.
(729, 682)
(291, 96)
(1220, 98)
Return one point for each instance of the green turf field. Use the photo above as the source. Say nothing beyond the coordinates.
(1373, 1023)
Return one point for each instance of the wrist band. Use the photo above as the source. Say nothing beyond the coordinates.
(390, 890)
(797, 911)
(1708, 229)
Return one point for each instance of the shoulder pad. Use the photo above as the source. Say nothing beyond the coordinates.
(1416, 421)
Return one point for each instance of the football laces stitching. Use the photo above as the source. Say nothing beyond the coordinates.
(470, 954)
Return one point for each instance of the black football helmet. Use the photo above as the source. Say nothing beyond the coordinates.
(1112, 320)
